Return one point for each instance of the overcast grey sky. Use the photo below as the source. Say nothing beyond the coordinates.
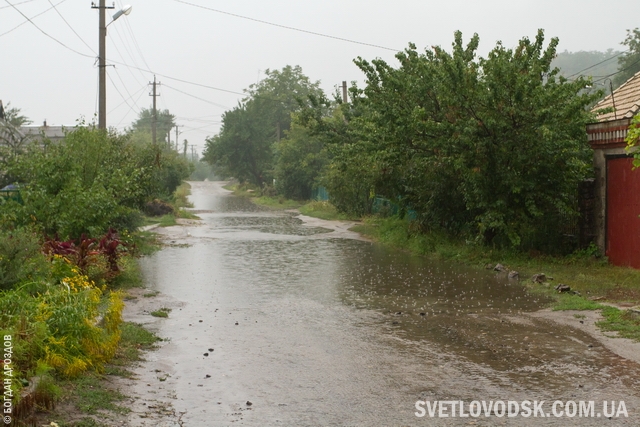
(180, 41)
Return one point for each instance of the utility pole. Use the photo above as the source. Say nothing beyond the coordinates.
(177, 126)
(102, 63)
(193, 153)
(154, 116)
(345, 98)
(184, 152)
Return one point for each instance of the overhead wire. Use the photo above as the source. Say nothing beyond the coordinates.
(286, 26)
(115, 86)
(135, 77)
(196, 97)
(69, 25)
(123, 84)
(598, 63)
(618, 72)
(17, 4)
(125, 43)
(135, 41)
(27, 20)
(134, 94)
(47, 34)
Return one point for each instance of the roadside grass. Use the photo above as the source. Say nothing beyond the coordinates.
(151, 294)
(89, 392)
(180, 196)
(134, 340)
(91, 396)
(144, 243)
(162, 312)
(277, 202)
(130, 275)
(324, 210)
(167, 220)
(625, 322)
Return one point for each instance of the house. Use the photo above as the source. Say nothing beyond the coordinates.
(39, 133)
(617, 184)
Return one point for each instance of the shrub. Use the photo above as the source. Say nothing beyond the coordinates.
(21, 258)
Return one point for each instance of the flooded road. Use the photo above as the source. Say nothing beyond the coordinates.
(278, 322)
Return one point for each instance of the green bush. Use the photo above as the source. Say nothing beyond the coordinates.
(21, 258)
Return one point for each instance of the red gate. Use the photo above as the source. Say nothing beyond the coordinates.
(623, 213)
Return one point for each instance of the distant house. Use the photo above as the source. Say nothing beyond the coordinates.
(617, 184)
(40, 133)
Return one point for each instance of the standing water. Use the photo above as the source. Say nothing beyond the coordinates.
(278, 322)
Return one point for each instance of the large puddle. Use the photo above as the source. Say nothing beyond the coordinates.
(318, 329)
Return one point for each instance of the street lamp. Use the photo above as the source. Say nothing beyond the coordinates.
(102, 59)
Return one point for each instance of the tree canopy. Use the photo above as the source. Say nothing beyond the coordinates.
(488, 147)
(245, 147)
(165, 122)
(629, 63)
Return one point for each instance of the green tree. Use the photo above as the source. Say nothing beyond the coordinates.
(245, 146)
(633, 140)
(12, 140)
(301, 157)
(14, 116)
(629, 63)
(165, 121)
(489, 147)
(90, 181)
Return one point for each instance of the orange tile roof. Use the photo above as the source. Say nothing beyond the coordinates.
(626, 98)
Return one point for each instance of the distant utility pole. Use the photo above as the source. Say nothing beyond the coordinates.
(193, 153)
(184, 152)
(177, 133)
(345, 98)
(154, 115)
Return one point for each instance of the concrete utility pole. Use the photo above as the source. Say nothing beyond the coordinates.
(184, 152)
(345, 98)
(193, 153)
(177, 133)
(154, 115)
(102, 63)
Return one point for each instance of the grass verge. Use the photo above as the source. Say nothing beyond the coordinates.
(324, 210)
(162, 312)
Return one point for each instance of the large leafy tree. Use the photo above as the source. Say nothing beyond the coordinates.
(165, 121)
(90, 181)
(629, 63)
(245, 146)
(301, 157)
(12, 140)
(14, 116)
(492, 147)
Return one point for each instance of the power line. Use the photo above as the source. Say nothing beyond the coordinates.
(24, 22)
(135, 41)
(72, 29)
(45, 33)
(601, 62)
(139, 91)
(125, 42)
(286, 27)
(22, 2)
(618, 72)
(197, 97)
